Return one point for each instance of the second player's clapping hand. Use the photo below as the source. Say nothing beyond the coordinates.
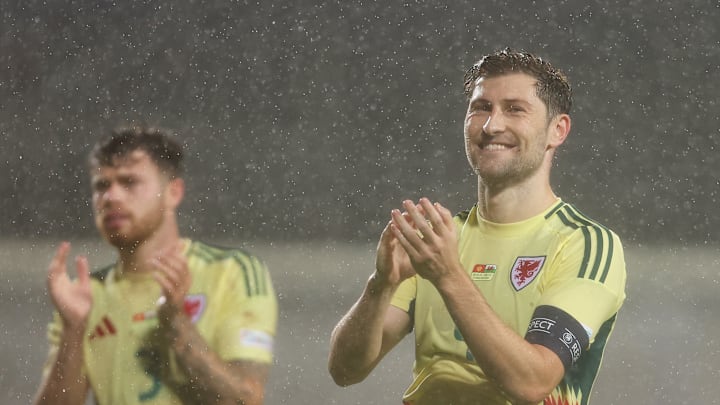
(428, 234)
(173, 275)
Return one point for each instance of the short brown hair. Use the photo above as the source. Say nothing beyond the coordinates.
(164, 151)
(552, 85)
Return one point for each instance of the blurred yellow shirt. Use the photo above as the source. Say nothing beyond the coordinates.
(231, 302)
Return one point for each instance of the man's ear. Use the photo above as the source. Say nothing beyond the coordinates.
(560, 128)
(176, 191)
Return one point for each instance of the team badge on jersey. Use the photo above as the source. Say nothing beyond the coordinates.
(483, 272)
(525, 270)
(194, 306)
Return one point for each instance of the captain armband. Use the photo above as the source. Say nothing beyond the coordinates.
(558, 331)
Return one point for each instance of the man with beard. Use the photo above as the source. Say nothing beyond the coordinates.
(173, 321)
(512, 301)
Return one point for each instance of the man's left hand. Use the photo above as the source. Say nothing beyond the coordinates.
(428, 234)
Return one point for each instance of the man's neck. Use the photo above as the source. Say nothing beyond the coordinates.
(138, 259)
(514, 203)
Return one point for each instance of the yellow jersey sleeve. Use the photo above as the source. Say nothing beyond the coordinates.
(589, 279)
(405, 294)
(248, 319)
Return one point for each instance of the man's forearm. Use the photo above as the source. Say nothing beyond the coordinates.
(211, 379)
(357, 340)
(65, 384)
(521, 369)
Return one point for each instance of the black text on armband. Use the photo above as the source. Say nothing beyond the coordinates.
(558, 331)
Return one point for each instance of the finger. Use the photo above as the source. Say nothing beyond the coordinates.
(179, 247)
(165, 284)
(433, 223)
(445, 214)
(405, 233)
(174, 260)
(436, 216)
(176, 270)
(57, 264)
(384, 246)
(174, 252)
(83, 270)
(164, 263)
(402, 240)
(403, 222)
(386, 236)
(170, 293)
(415, 212)
(60, 256)
(421, 224)
(166, 270)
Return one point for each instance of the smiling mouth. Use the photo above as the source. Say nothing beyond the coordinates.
(495, 147)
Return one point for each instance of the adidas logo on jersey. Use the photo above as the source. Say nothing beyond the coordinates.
(104, 328)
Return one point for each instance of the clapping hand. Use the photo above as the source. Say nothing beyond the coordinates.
(173, 275)
(428, 235)
(72, 299)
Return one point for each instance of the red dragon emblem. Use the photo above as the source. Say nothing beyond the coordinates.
(525, 270)
(194, 306)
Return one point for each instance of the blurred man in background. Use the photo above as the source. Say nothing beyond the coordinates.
(173, 321)
(512, 301)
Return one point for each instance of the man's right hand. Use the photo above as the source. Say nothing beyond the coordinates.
(392, 263)
(72, 300)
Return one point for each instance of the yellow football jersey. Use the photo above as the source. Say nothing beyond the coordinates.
(231, 302)
(559, 261)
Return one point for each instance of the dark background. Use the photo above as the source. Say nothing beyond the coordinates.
(311, 120)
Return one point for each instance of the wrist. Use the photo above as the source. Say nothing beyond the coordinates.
(451, 281)
(73, 333)
(379, 285)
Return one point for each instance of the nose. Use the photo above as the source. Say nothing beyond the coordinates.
(495, 123)
(109, 195)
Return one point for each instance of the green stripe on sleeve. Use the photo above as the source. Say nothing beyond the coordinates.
(608, 259)
(586, 253)
(246, 276)
(601, 255)
(598, 253)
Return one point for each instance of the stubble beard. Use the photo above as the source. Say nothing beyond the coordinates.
(508, 172)
(137, 231)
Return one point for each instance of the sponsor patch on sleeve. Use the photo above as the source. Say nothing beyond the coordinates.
(257, 339)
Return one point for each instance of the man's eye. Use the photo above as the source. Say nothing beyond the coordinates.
(101, 186)
(481, 107)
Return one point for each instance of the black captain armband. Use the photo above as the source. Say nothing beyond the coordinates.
(558, 331)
